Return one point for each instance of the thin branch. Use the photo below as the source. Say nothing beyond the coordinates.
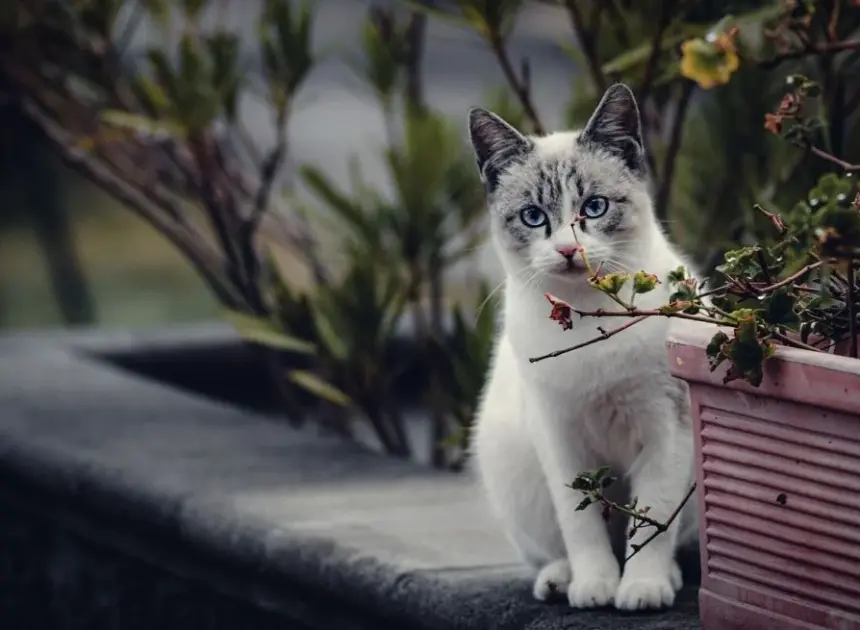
(206, 262)
(497, 44)
(852, 312)
(790, 279)
(809, 51)
(653, 64)
(662, 527)
(848, 166)
(788, 341)
(618, 23)
(605, 334)
(652, 67)
(667, 175)
(588, 42)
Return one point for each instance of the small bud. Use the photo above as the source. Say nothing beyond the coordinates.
(644, 282)
(611, 283)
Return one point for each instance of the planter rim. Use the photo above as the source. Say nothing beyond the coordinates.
(814, 378)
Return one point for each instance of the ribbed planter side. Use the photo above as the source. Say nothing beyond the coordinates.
(778, 471)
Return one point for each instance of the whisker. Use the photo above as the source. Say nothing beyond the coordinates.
(488, 298)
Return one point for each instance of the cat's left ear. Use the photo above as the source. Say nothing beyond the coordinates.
(497, 144)
(616, 127)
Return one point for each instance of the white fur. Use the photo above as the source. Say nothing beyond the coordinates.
(611, 403)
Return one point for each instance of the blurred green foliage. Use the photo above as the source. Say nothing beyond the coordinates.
(156, 145)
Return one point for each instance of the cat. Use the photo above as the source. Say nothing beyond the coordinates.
(613, 402)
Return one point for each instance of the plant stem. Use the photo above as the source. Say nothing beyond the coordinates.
(667, 176)
(497, 44)
(652, 65)
(790, 279)
(793, 343)
(662, 527)
(605, 334)
(820, 49)
(848, 166)
(852, 312)
(587, 39)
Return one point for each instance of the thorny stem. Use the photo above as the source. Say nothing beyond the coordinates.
(605, 334)
(662, 527)
(636, 314)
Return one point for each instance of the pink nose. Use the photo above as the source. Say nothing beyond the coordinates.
(568, 251)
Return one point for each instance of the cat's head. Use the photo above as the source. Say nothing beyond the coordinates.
(548, 196)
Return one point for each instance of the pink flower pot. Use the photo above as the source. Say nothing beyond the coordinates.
(778, 471)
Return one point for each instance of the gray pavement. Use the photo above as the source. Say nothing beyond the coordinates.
(383, 536)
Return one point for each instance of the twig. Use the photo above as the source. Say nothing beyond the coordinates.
(667, 176)
(588, 41)
(662, 527)
(788, 341)
(415, 35)
(820, 49)
(653, 63)
(617, 21)
(497, 44)
(604, 334)
(852, 312)
(207, 263)
(832, 158)
(790, 279)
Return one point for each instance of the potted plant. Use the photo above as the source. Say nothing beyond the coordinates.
(769, 351)
(771, 363)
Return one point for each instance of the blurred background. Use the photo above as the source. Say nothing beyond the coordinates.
(309, 160)
(71, 255)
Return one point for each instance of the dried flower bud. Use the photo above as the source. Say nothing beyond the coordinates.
(561, 312)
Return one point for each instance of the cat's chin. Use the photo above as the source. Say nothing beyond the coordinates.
(574, 273)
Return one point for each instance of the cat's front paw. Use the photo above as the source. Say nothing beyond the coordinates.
(642, 593)
(594, 588)
(552, 578)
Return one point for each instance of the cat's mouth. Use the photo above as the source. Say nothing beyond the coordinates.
(570, 269)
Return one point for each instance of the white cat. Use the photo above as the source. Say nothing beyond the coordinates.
(611, 403)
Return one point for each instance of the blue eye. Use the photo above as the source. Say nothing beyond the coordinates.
(595, 207)
(533, 217)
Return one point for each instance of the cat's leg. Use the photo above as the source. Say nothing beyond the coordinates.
(514, 481)
(660, 478)
(594, 567)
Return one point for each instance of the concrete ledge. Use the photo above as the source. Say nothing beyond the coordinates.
(129, 503)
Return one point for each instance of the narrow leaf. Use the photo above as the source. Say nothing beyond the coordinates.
(315, 385)
(259, 330)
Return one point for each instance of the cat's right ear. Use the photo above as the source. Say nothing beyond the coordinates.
(496, 143)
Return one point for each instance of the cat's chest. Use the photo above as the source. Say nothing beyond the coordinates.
(582, 358)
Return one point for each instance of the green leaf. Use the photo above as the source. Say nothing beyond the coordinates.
(328, 335)
(315, 385)
(138, 124)
(584, 503)
(264, 332)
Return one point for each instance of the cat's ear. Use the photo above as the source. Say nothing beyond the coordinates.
(616, 127)
(496, 143)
